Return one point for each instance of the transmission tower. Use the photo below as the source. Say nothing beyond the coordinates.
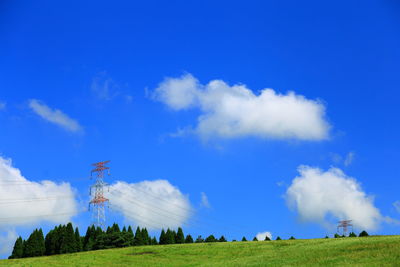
(98, 201)
(345, 224)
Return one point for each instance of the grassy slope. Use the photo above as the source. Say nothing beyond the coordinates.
(370, 251)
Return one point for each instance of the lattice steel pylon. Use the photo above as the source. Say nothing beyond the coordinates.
(98, 201)
(344, 225)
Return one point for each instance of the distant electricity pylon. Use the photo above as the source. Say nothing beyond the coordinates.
(345, 224)
(98, 201)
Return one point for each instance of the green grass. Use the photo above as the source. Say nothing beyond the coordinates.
(366, 251)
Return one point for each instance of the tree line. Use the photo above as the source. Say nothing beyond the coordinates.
(64, 239)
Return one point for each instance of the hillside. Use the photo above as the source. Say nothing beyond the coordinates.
(368, 251)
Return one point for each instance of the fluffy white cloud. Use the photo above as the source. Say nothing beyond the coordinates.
(235, 111)
(152, 204)
(55, 116)
(261, 236)
(23, 202)
(204, 200)
(316, 194)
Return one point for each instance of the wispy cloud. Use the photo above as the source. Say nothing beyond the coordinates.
(2, 105)
(55, 116)
(235, 111)
(105, 88)
(349, 158)
(396, 205)
(204, 201)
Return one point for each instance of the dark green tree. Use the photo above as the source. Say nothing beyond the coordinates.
(337, 235)
(267, 238)
(154, 241)
(169, 237)
(292, 238)
(34, 246)
(326, 236)
(130, 236)
(255, 239)
(162, 238)
(222, 239)
(89, 240)
(138, 240)
(244, 239)
(199, 239)
(78, 240)
(211, 238)
(352, 234)
(278, 238)
(363, 234)
(68, 243)
(18, 250)
(189, 239)
(180, 238)
(146, 237)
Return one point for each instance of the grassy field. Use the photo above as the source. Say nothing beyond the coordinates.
(366, 251)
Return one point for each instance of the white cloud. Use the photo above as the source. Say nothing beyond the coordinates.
(261, 236)
(204, 200)
(349, 158)
(152, 204)
(316, 194)
(7, 241)
(23, 202)
(2, 105)
(55, 116)
(396, 205)
(235, 111)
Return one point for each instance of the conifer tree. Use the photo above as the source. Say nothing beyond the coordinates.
(244, 239)
(211, 238)
(34, 246)
(124, 229)
(189, 239)
(130, 236)
(18, 250)
(68, 243)
(199, 239)
(138, 237)
(180, 238)
(145, 237)
(363, 234)
(267, 238)
(89, 240)
(292, 238)
(169, 237)
(278, 238)
(255, 239)
(78, 240)
(162, 237)
(154, 241)
(222, 239)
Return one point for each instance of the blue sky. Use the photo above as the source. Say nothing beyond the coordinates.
(103, 65)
